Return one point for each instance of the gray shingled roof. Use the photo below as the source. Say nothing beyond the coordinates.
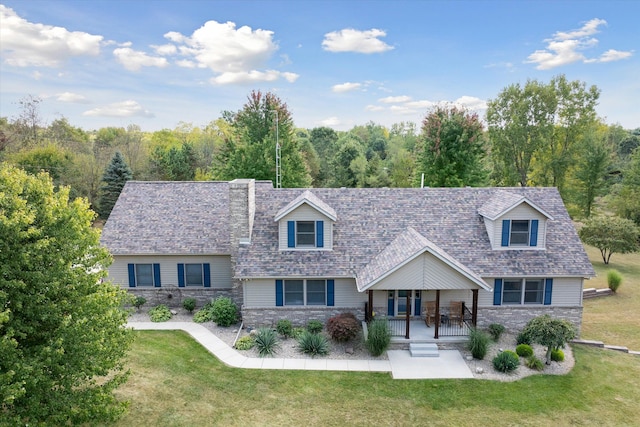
(312, 200)
(403, 249)
(370, 219)
(503, 201)
(169, 218)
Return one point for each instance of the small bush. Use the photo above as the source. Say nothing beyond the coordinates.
(495, 329)
(297, 333)
(160, 313)
(266, 341)
(534, 363)
(245, 343)
(224, 312)
(507, 361)
(557, 355)
(203, 315)
(314, 326)
(524, 350)
(343, 327)
(139, 302)
(313, 344)
(378, 337)
(284, 328)
(614, 280)
(523, 338)
(478, 343)
(189, 304)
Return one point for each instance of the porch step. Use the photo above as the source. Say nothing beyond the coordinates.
(423, 350)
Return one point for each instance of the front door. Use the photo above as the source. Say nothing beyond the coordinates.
(398, 303)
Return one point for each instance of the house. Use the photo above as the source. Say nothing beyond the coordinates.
(507, 254)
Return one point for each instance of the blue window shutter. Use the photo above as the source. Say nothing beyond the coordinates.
(279, 294)
(132, 275)
(497, 292)
(320, 234)
(506, 231)
(207, 275)
(390, 304)
(331, 293)
(548, 289)
(533, 237)
(156, 275)
(181, 275)
(291, 234)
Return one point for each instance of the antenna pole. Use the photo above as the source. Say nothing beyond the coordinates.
(278, 167)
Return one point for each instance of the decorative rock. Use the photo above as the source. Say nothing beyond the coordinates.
(174, 312)
(479, 370)
(348, 350)
(469, 358)
(253, 332)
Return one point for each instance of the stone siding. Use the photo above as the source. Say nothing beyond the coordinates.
(514, 318)
(172, 296)
(299, 316)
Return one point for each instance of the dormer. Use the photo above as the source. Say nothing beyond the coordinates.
(514, 222)
(306, 223)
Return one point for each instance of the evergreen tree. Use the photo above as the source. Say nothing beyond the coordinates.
(114, 178)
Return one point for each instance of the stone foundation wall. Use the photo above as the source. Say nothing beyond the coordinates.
(172, 296)
(514, 318)
(257, 317)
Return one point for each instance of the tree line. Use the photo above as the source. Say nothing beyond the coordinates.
(535, 134)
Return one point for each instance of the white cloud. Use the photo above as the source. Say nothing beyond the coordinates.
(346, 87)
(133, 60)
(252, 76)
(373, 108)
(395, 99)
(72, 97)
(350, 40)
(165, 49)
(27, 44)
(37, 75)
(330, 121)
(185, 63)
(566, 48)
(471, 102)
(127, 108)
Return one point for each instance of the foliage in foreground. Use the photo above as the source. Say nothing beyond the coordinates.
(478, 343)
(496, 330)
(343, 327)
(315, 326)
(284, 328)
(313, 344)
(245, 343)
(62, 334)
(160, 313)
(378, 337)
(266, 342)
(189, 304)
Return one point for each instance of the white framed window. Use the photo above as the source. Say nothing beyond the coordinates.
(523, 291)
(305, 234)
(519, 232)
(144, 274)
(193, 275)
(305, 292)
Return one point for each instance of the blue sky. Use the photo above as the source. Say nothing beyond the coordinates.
(335, 63)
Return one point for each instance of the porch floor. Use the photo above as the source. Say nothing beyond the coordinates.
(420, 333)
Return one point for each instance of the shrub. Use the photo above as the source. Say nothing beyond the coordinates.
(284, 328)
(478, 343)
(524, 350)
(523, 338)
(139, 302)
(495, 329)
(160, 313)
(189, 304)
(378, 337)
(557, 355)
(297, 332)
(343, 327)
(534, 363)
(549, 332)
(313, 344)
(614, 280)
(266, 341)
(245, 343)
(314, 326)
(224, 312)
(507, 361)
(203, 315)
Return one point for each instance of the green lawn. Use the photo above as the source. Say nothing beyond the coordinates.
(175, 382)
(615, 319)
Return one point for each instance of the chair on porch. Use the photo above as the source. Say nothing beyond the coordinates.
(455, 312)
(429, 312)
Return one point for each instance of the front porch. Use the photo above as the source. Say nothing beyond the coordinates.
(419, 332)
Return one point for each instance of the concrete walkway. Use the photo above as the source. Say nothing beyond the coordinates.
(400, 364)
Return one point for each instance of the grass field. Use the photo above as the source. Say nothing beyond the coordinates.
(615, 319)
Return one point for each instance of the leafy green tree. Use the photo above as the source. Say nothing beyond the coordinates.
(627, 203)
(610, 235)
(263, 122)
(57, 162)
(549, 332)
(451, 149)
(62, 330)
(115, 177)
(402, 168)
(342, 164)
(591, 171)
(520, 121)
(324, 141)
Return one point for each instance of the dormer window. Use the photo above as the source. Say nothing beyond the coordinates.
(520, 233)
(306, 223)
(305, 234)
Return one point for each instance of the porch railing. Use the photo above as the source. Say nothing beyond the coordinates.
(398, 327)
(446, 327)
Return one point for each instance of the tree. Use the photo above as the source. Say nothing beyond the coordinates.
(263, 122)
(29, 122)
(549, 332)
(451, 149)
(115, 177)
(342, 164)
(610, 235)
(591, 171)
(62, 330)
(520, 121)
(627, 203)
